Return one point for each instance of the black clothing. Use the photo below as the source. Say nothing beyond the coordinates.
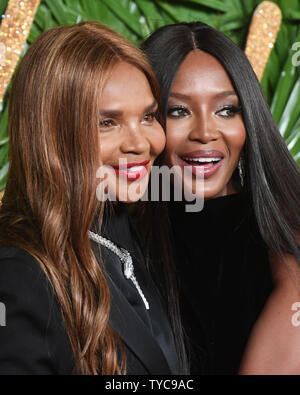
(225, 279)
(120, 229)
(34, 340)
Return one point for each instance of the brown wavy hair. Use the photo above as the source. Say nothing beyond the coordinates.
(50, 198)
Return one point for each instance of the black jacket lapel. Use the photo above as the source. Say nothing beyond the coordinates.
(127, 323)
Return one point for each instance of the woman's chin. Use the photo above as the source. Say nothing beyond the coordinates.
(224, 190)
(204, 190)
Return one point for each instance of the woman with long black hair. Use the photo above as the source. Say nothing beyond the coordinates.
(238, 259)
(74, 280)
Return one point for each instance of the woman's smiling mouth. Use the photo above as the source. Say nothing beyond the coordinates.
(132, 171)
(203, 163)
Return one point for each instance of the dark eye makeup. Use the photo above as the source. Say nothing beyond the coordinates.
(229, 111)
(180, 111)
(106, 123)
(150, 117)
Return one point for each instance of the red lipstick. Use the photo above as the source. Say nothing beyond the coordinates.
(132, 171)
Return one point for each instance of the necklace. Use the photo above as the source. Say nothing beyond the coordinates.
(124, 257)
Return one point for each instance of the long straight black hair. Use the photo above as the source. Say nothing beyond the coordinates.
(272, 177)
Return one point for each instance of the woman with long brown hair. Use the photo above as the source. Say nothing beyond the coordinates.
(82, 97)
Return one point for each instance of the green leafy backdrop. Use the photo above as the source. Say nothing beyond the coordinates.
(136, 19)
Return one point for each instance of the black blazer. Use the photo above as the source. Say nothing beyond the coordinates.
(34, 340)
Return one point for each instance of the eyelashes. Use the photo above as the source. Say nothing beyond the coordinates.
(229, 111)
(150, 117)
(174, 112)
(106, 123)
(179, 111)
(109, 123)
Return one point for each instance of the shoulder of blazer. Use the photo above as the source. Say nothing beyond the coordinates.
(11, 252)
(33, 340)
(20, 273)
(20, 270)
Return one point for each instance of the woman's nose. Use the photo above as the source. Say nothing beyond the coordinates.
(204, 129)
(134, 140)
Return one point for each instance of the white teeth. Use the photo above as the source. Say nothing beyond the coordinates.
(136, 168)
(202, 160)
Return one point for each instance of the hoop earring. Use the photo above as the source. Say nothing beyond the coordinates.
(241, 170)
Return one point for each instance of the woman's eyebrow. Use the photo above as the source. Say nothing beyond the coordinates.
(118, 113)
(217, 95)
(180, 95)
(151, 106)
(226, 93)
(110, 113)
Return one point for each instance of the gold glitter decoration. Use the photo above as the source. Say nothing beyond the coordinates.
(262, 35)
(14, 30)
